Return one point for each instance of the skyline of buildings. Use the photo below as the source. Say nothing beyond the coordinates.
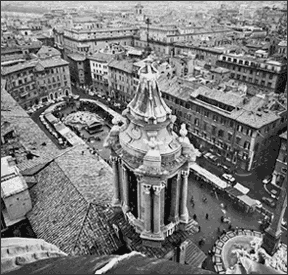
(189, 97)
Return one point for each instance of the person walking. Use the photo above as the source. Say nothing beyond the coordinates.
(206, 216)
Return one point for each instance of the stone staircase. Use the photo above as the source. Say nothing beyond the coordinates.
(192, 226)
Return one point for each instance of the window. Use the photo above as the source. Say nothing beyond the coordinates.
(238, 139)
(205, 126)
(221, 133)
(239, 128)
(223, 121)
(20, 82)
(229, 136)
(215, 118)
(197, 109)
(206, 113)
(246, 145)
(249, 132)
(213, 130)
(196, 121)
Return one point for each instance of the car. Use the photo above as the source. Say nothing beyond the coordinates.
(207, 155)
(269, 201)
(258, 204)
(228, 178)
(274, 194)
(267, 179)
(213, 158)
(224, 167)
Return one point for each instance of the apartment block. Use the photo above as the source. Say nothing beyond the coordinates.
(232, 125)
(90, 41)
(36, 81)
(121, 79)
(99, 71)
(280, 170)
(266, 74)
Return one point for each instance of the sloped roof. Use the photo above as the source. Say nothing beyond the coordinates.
(96, 236)
(48, 51)
(101, 57)
(58, 208)
(77, 57)
(93, 177)
(63, 215)
(123, 65)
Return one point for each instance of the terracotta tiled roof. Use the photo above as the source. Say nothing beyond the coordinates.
(97, 237)
(58, 208)
(92, 177)
(101, 57)
(77, 57)
(63, 216)
(123, 65)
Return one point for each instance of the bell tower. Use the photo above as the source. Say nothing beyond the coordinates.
(150, 163)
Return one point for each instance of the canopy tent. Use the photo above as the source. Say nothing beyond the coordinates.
(51, 118)
(234, 192)
(248, 201)
(241, 188)
(208, 176)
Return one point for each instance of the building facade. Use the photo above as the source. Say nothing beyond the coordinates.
(234, 127)
(90, 41)
(280, 170)
(15, 197)
(121, 79)
(99, 71)
(77, 65)
(37, 81)
(268, 75)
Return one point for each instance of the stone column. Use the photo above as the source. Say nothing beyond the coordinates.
(125, 186)
(184, 216)
(157, 208)
(116, 198)
(175, 194)
(147, 219)
(139, 199)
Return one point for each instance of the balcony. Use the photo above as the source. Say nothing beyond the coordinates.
(24, 94)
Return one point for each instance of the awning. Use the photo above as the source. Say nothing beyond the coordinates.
(247, 200)
(209, 176)
(241, 188)
(234, 192)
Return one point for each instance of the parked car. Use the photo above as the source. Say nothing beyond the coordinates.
(207, 155)
(269, 201)
(224, 167)
(258, 204)
(228, 178)
(267, 179)
(273, 194)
